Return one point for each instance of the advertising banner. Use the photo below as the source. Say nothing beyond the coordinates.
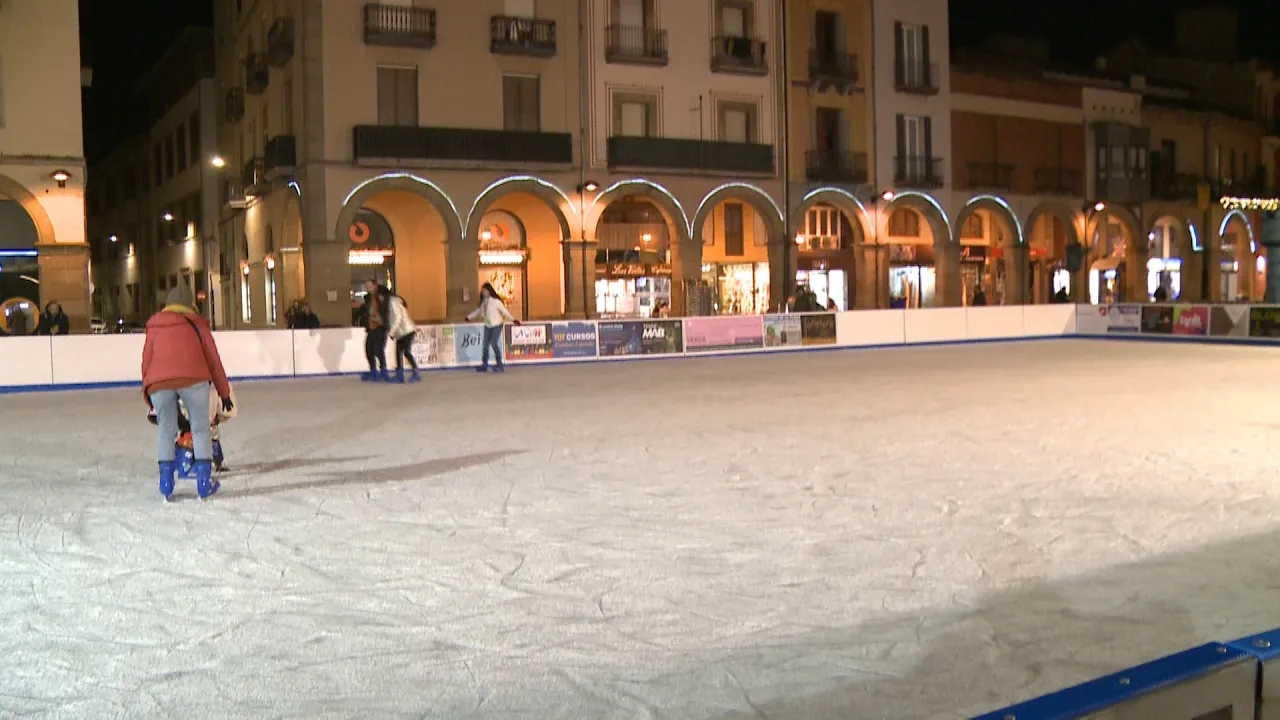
(710, 334)
(1091, 319)
(1229, 321)
(1264, 321)
(1189, 320)
(466, 343)
(818, 329)
(782, 331)
(1122, 318)
(573, 340)
(641, 337)
(530, 341)
(1157, 320)
(426, 346)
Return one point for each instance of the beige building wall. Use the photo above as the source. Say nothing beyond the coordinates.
(40, 134)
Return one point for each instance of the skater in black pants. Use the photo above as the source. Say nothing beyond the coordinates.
(403, 331)
(376, 317)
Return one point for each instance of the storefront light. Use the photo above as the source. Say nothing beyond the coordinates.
(271, 263)
(1261, 264)
(646, 238)
(1250, 203)
(799, 238)
(368, 257)
(502, 257)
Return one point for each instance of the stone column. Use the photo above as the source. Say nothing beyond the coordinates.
(1016, 289)
(1135, 272)
(580, 278)
(686, 268)
(780, 286)
(328, 281)
(871, 277)
(64, 279)
(949, 288)
(463, 278)
(1269, 237)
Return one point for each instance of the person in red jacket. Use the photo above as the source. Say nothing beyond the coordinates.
(180, 361)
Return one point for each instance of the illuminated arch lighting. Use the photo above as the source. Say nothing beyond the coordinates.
(740, 186)
(514, 179)
(1017, 224)
(684, 215)
(297, 188)
(404, 176)
(1196, 245)
(862, 210)
(934, 203)
(1244, 219)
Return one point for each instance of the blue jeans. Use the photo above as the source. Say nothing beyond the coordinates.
(196, 399)
(492, 339)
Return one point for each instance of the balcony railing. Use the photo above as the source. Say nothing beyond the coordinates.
(690, 155)
(461, 145)
(743, 55)
(399, 26)
(253, 177)
(256, 74)
(635, 44)
(1175, 186)
(233, 195)
(280, 156)
(836, 166)
(833, 67)
(522, 36)
(234, 105)
(917, 78)
(280, 42)
(917, 172)
(991, 176)
(1057, 181)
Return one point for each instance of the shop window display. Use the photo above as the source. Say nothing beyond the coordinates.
(912, 276)
(504, 259)
(372, 256)
(740, 288)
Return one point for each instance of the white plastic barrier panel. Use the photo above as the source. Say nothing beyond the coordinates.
(256, 353)
(866, 328)
(997, 322)
(928, 325)
(1048, 320)
(25, 361)
(84, 359)
(330, 351)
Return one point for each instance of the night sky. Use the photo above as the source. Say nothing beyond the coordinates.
(123, 38)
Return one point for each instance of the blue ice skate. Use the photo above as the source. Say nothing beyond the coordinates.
(205, 484)
(167, 470)
(217, 455)
(185, 460)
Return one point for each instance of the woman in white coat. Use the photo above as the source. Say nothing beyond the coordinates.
(402, 331)
(495, 315)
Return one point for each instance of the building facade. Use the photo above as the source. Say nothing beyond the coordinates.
(43, 254)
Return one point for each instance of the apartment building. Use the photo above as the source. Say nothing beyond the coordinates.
(43, 253)
(153, 203)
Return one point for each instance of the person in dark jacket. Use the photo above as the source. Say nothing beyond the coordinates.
(377, 321)
(301, 317)
(53, 321)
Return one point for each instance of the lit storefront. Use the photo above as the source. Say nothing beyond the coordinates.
(1106, 274)
(372, 256)
(913, 279)
(504, 260)
(738, 288)
(826, 261)
(982, 267)
(633, 262)
(1164, 267)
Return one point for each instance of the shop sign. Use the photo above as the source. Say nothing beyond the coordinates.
(712, 334)
(1122, 318)
(1157, 320)
(641, 337)
(1189, 320)
(637, 270)
(573, 340)
(818, 329)
(782, 331)
(467, 340)
(1229, 321)
(529, 341)
(1264, 322)
(427, 344)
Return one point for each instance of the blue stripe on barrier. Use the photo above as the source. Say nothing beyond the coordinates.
(1263, 646)
(1181, 339)
(1126, 685)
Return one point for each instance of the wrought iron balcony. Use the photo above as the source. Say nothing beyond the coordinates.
(1175, 186)
(234, 105)
(280, 157)
(917, 172)
(690, 155)
(522, 36)
(991, 176)
(836, 166)
(399, 26)
(443, 144)
(280, 42)
(233, 195)
(1057, 181)
(833, 68)
(742, 55)
(917, 78)
(256, 74)
(253, 177)
(635, 44)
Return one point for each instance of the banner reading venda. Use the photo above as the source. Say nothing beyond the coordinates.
(714, 334)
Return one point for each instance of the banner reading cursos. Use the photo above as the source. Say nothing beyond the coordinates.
(641, 337)
(573, 340)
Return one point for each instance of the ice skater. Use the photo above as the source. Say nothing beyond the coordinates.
(402, 332)
(375, 326)
(495, 315)
(180, 361)
(185, 441)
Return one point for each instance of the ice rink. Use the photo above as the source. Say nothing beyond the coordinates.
(901, 533)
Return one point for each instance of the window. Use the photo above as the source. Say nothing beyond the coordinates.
(193, 126)
(398, 96)
(826, 34)
(168, 157)
(733, 233)
(904, 223)
(826, 131)
(286, 111)
(1140, 162)
(911, 55)
(182, 146)
(1217, 162)
(271, 292)
(159, 165)
(246, 299)
(973, 228)
(822, 228)
(736, 18)
(130, 184)
(635, 115)
(521, 104)
(1117, 161)
(633, 13)
(737, 122)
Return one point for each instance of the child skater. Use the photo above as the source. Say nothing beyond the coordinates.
(402, 332)
(185, 442)
(495, 315)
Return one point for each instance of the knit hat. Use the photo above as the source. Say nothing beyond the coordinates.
(181, 295)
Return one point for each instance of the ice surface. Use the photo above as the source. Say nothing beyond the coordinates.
(907, 533)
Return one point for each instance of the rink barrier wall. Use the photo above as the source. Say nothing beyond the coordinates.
(32, 364)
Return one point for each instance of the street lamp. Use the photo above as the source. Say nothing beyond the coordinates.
(61, 177)
(167, 217)
(218, 162)
(114, 239)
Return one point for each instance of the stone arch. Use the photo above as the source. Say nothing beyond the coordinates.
(750, 194)
(1053, 208)
(649, 190)
(18, 192)
(998, 208)
(843, 200)
(1238, 214)
(1119, 212)
(422, 187)
(1186, 234)
(555, 198)
(927, 207)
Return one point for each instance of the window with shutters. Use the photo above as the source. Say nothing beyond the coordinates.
(912, 66)
(737, 122)
(736, 18)
(182, 147)
(168, 156)
(398, 96)
(733, 231)
(635, 115)
(194, 129)
(521, 103)
(904, 222)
